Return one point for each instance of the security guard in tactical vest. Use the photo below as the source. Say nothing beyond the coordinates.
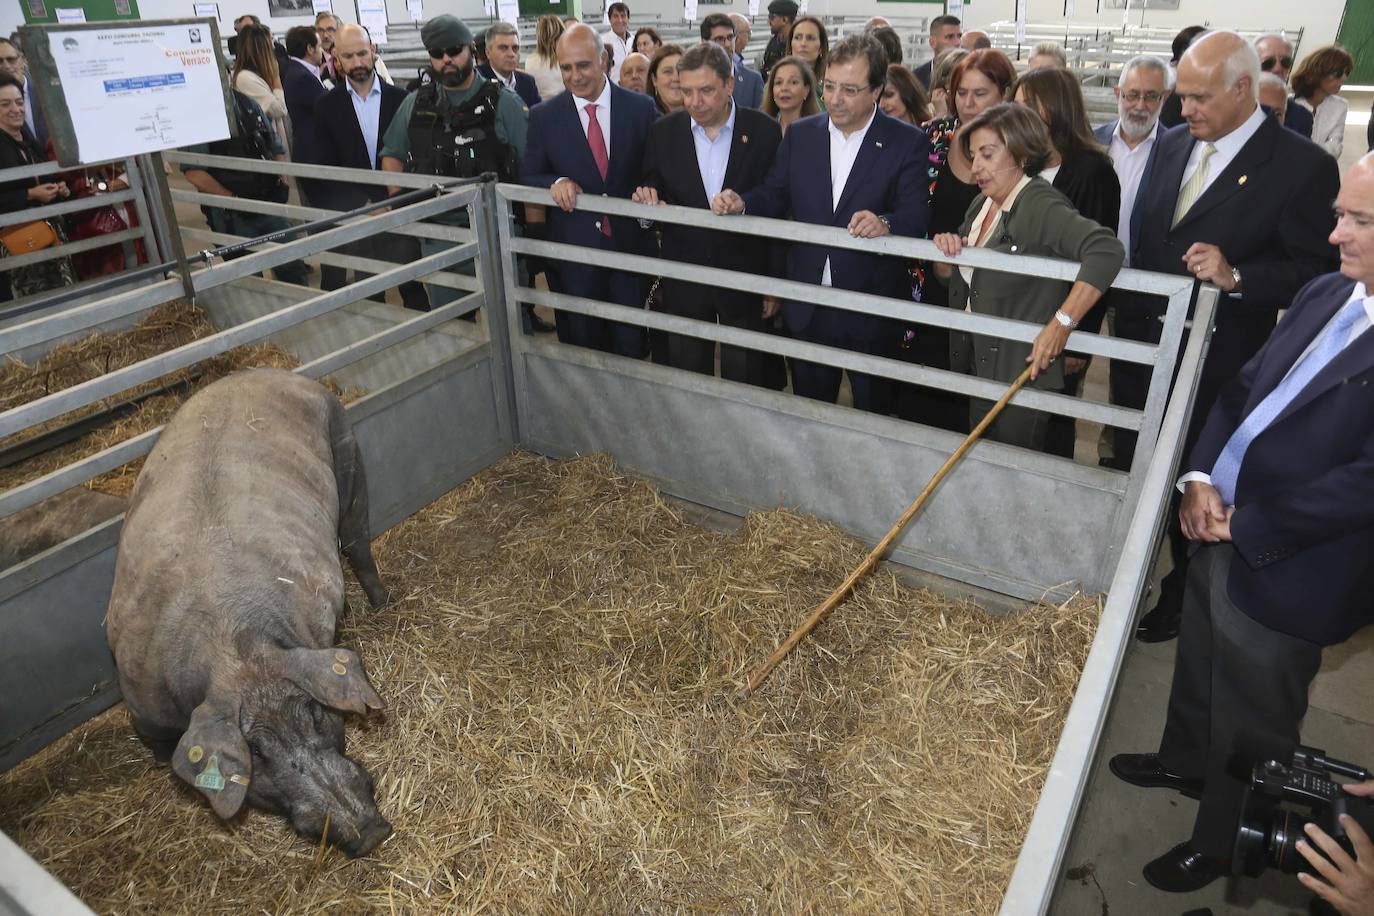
(456, 124)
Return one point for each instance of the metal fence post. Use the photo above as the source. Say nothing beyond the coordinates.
(164, 218)
(501, 315)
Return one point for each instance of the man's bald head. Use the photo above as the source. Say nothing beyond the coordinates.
(1218, 82)
(581, 32)
(353, 55)
(1354, 232)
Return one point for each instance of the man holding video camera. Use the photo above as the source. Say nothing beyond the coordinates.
(1351, 887)
(1279, 503)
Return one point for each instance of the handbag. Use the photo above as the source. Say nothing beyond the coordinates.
(28, 237)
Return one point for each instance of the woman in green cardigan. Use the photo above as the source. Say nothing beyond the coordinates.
(1018, 213)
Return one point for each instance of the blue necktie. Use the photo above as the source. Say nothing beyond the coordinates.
(1227, 469)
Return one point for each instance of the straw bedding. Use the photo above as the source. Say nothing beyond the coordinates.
(165, 328)
(561, 656)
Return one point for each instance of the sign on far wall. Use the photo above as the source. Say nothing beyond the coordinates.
(285, 9)
(38, 12)
(116, 90)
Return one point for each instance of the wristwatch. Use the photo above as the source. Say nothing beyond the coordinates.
(1063, 318)
(1235, 278)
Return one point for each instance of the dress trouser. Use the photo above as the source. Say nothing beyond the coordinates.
(710, 304)
(849, 331)
(252, 225)
(400, 249)
(1232, 675)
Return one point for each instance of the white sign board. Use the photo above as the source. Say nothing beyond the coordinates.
(753, 9)
(508, 11)
(689, 10)
(70, 16)
(322, 6)
(207, 11)
(1021, 21)
(372, 16)
(955, 8)
(142, 89)
(1068, 9)
(416, 9)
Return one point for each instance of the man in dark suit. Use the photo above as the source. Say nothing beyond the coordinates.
(591, 139)
(1132, 139)
(300, 83)
(1279, 503)
(719, 28)
(855, 168)
(1276, 57)
(503, 62)
(690, 156)
(1234, 200)
(347, 129)
(945, 34)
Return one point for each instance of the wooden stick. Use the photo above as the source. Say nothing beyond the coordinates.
(761, 673)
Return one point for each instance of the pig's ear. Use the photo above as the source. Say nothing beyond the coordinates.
(334, 677)
(213, 757)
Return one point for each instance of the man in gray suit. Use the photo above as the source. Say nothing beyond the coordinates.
(719, 29)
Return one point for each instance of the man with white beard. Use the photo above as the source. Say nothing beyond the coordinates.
(1130, 140)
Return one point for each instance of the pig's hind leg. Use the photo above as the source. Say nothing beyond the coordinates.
(161, 741)
(355, 533)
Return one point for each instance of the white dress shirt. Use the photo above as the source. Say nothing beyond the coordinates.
(314, 70)
(603, 117)
(1130, 168)
(1362, 324)
(509, 83)
(369, 112)
(1228, 147)
(621, 48)
(713, 156)
(843, 151)
(29, 104)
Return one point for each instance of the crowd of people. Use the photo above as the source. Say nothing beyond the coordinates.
(1220, 166)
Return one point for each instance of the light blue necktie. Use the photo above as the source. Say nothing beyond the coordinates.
(1227, 469)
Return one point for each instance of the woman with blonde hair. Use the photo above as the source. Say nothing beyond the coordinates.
(791, 92)
(256, 75)
(1316, 86)
(542, 64)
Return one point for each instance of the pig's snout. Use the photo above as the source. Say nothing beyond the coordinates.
(369, 839)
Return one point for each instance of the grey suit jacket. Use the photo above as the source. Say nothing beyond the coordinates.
(1041, 222)
(748, 86)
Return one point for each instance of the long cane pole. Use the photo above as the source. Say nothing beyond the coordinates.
(761, 673)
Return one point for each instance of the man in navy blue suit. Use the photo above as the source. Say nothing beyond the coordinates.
(503, 61)
(591, 139)
(854, 168)
(1279, 505)
(300, 82)
(718, 28)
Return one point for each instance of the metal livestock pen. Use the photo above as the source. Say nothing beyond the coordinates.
(446, 399)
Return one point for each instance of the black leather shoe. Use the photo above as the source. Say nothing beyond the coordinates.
(536, 324)
(1161, 624)
(1184, 869)
(1146, 771)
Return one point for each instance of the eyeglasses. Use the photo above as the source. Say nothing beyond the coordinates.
(438, 53)
(1151, 98)
(849, 92)
(1268, 63)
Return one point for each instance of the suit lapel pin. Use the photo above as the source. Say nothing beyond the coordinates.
(744, 138)
(1241, 181)
(878, 144)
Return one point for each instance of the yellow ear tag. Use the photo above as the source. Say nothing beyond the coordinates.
(195, 754)
(211, 778)
(341, 656)
(340, 669)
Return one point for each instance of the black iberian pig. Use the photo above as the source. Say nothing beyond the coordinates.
(227, 589)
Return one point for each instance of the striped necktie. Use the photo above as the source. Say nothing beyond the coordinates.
(1227, 469)
(1190, 192)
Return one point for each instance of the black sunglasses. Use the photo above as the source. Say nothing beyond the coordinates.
(1268, 63)
(437, 53)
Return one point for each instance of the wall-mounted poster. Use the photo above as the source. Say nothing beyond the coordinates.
(129, 89)
(279, 9)
(1140, 4)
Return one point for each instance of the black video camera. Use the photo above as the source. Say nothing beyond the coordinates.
(1269, 832)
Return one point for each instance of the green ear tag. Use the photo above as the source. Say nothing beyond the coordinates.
(210, 777)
